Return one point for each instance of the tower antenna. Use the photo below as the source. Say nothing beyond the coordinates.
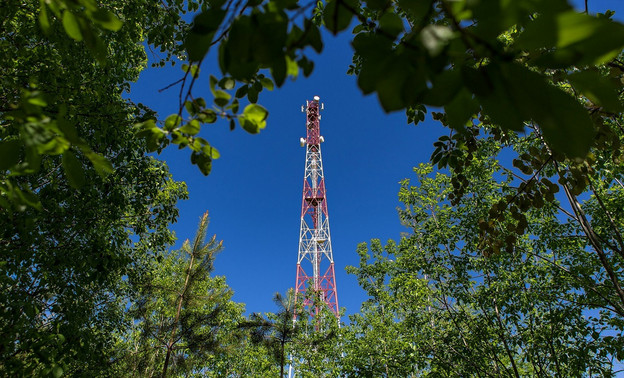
(315, 262)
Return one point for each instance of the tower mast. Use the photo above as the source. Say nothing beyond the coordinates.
(315, 262)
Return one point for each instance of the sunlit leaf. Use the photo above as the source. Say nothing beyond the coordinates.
(253, 118)
(191, 128)
(71, 26)
(102, 165)
(172, 121)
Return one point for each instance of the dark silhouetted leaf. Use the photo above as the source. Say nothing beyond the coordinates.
(73, 170)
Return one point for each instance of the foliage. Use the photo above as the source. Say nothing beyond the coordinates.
(247, 359)
(316, 350)
(445, 301)
(182, 317)
(275, 331)
(82, 207)
(62, 100)
(508, 271)
(63, 264)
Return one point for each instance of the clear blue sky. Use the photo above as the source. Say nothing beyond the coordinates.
(254, 192)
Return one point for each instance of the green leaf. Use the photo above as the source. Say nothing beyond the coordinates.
(597, 88)
(233, 106)
(390, 23)
(389, 88)
(253, 118)
(172, 122)
(94, 43)
(572, 38)
(207, 116)
(222, 98)
(563, 121)
(268, 38)
(57, 371)
(44, 20)
(37, 99)
(278, 71)
(461, 109)
(227, 83)
(238, 56)
(211, 151)
(106, 19)
(376, 53)
(9, 153)
(191, 128)
(213, 81)
(497, 102)
(200, 102)
(313, 36)
(266, 83)
(90, 5)
(306, 65)
(476, 80)
(377, 5)
(102, 165)
(203, 162)
(191, 107)
(435, 38)
(242, 91)
(194, 70)
(337, 15)
(69, 130)
(71, 26)
(252, 95)
(292, 69)
(73, 170)
(197, 45)
(445, 87)
(199, 38)
(416, 9)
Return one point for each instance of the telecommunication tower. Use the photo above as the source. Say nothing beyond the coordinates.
(315, 262)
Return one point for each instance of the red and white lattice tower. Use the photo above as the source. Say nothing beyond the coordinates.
(315, 263)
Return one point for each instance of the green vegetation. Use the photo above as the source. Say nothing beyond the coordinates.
(507, 270)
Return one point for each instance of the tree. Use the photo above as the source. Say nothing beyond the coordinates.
(63, 264)
(82, 207)
(447, 301)
(316, 351)
(183, 316)
(247, 359)
(276, 330)
(62, 101)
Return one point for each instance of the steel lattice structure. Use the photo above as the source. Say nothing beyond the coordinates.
(315, 262)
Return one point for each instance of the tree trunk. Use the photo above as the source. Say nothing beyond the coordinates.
(177, 317)
(282, 360)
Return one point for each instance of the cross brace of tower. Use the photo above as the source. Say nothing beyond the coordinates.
(315, 261)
